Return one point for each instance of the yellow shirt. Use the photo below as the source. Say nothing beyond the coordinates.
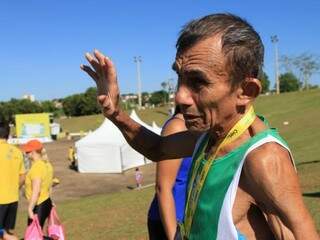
(11, 166)
(39, 170)
(71, 154)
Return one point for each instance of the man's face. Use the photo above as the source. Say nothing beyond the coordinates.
(204, 91)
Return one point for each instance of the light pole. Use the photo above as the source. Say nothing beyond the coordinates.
(138, 60)
(275, 40)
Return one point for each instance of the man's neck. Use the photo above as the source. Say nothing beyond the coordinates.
(220, 131)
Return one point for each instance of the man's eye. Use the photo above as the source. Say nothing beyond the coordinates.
(197, 83)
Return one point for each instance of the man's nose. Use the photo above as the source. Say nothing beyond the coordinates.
(183, 96)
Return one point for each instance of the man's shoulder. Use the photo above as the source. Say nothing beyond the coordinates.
(267, 160)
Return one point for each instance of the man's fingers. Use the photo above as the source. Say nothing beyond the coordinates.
(103, 71)
(93, 62)
(89, 71)
(99, 56)
(112, 74)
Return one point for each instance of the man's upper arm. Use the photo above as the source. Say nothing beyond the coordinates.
(274, 185)
(178, 145)
(167, 170)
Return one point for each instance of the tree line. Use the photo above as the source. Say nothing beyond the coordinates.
(303, 66)
(74, 105)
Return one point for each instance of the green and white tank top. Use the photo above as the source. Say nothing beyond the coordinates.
(213, 215)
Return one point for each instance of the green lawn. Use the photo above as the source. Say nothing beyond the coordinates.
(123, 215)
(119, 215)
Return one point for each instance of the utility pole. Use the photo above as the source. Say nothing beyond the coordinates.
(275, 40)
(138, 60)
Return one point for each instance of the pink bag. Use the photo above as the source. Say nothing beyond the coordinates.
(55, 228)
(34, 231)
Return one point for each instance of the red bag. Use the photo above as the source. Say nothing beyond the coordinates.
(55, 228)
(34, 231)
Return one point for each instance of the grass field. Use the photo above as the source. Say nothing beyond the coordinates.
(122, 215)
(119, 215)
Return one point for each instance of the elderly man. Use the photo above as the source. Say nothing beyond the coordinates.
(243, 183)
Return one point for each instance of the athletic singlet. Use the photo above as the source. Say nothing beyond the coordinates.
(213, 215)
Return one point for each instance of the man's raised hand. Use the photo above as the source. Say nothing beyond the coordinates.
(104, 74)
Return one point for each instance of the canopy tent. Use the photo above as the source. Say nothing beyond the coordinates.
(156, 128)
(105, 150)
(153, 128)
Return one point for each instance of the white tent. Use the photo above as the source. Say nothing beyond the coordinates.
(156, 128)
(105, 150)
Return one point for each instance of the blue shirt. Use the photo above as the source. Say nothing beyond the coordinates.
(179, 193)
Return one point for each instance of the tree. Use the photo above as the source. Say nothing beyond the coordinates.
(145, 98)
(90, 98)
(164, 86)
(18, 106)
(289, 82)
(48, 106)
(265, 83)
(305, 65)
(81, 104)
(71, 105)
(158, 97)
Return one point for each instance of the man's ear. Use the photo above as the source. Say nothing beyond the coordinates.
(248, 91)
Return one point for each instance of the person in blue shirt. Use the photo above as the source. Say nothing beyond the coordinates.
(167, 207)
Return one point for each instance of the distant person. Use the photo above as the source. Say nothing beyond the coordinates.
(38, 182)
(167, 207)
(139, 178)
(72, 158)
(54, 130)
(12, 174)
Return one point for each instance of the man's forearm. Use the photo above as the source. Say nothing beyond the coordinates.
(151, 145)
(140, 138)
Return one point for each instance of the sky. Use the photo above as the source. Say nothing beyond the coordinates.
(42, 43)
